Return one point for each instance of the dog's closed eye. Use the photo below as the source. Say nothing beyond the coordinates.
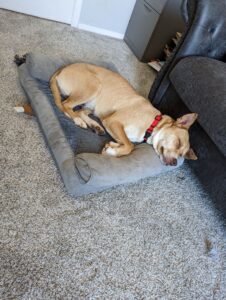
(178, 144)
(161, 150)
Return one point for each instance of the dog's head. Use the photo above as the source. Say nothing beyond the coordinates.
(171, 141)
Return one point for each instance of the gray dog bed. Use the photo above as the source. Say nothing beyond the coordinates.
(77, 151)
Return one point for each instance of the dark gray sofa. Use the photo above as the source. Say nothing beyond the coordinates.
(194, 79)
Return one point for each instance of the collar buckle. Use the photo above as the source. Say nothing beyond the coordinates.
(149, 131)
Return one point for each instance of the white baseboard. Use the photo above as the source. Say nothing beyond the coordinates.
(102, 31)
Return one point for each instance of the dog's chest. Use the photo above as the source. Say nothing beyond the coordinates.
(134, 134)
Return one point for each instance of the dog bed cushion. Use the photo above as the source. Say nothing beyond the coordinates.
(77, 151)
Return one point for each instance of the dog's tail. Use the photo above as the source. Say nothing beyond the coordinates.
(56, 91)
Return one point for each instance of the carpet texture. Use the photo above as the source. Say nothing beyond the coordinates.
(157, 239)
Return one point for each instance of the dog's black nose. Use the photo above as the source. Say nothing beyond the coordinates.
(169, 161)
(174, 162)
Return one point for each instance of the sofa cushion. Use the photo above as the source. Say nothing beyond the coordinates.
(201, 84)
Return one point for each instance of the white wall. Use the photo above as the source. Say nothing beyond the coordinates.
(57, 10)
(108, 17)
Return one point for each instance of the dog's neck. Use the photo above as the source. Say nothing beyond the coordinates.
(166, 121)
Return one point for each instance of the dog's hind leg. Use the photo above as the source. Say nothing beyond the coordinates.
(84, 115)
(81, 117)
(68, 106)
(123, 146)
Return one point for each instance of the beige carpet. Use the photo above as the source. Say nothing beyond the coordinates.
(157, 239)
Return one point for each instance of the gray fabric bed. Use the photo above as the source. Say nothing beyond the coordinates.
(76, 150)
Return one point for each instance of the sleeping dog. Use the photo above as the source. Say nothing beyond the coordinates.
(128, 117)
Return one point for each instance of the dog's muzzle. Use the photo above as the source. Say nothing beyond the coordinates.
(169, 161)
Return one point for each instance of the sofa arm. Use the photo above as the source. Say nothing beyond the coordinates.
(201, 84)
(204, 36)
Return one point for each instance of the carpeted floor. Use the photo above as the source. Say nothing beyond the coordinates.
(157, 239)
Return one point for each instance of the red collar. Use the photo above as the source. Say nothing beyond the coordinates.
(149, 131)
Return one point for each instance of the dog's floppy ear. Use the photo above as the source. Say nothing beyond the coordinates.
(191, 155)
(187, 120)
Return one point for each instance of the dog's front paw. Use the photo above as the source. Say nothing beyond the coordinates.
(111, 149)
(112, 145)
(79, 122)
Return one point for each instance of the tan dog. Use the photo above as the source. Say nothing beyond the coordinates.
(124, 114)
